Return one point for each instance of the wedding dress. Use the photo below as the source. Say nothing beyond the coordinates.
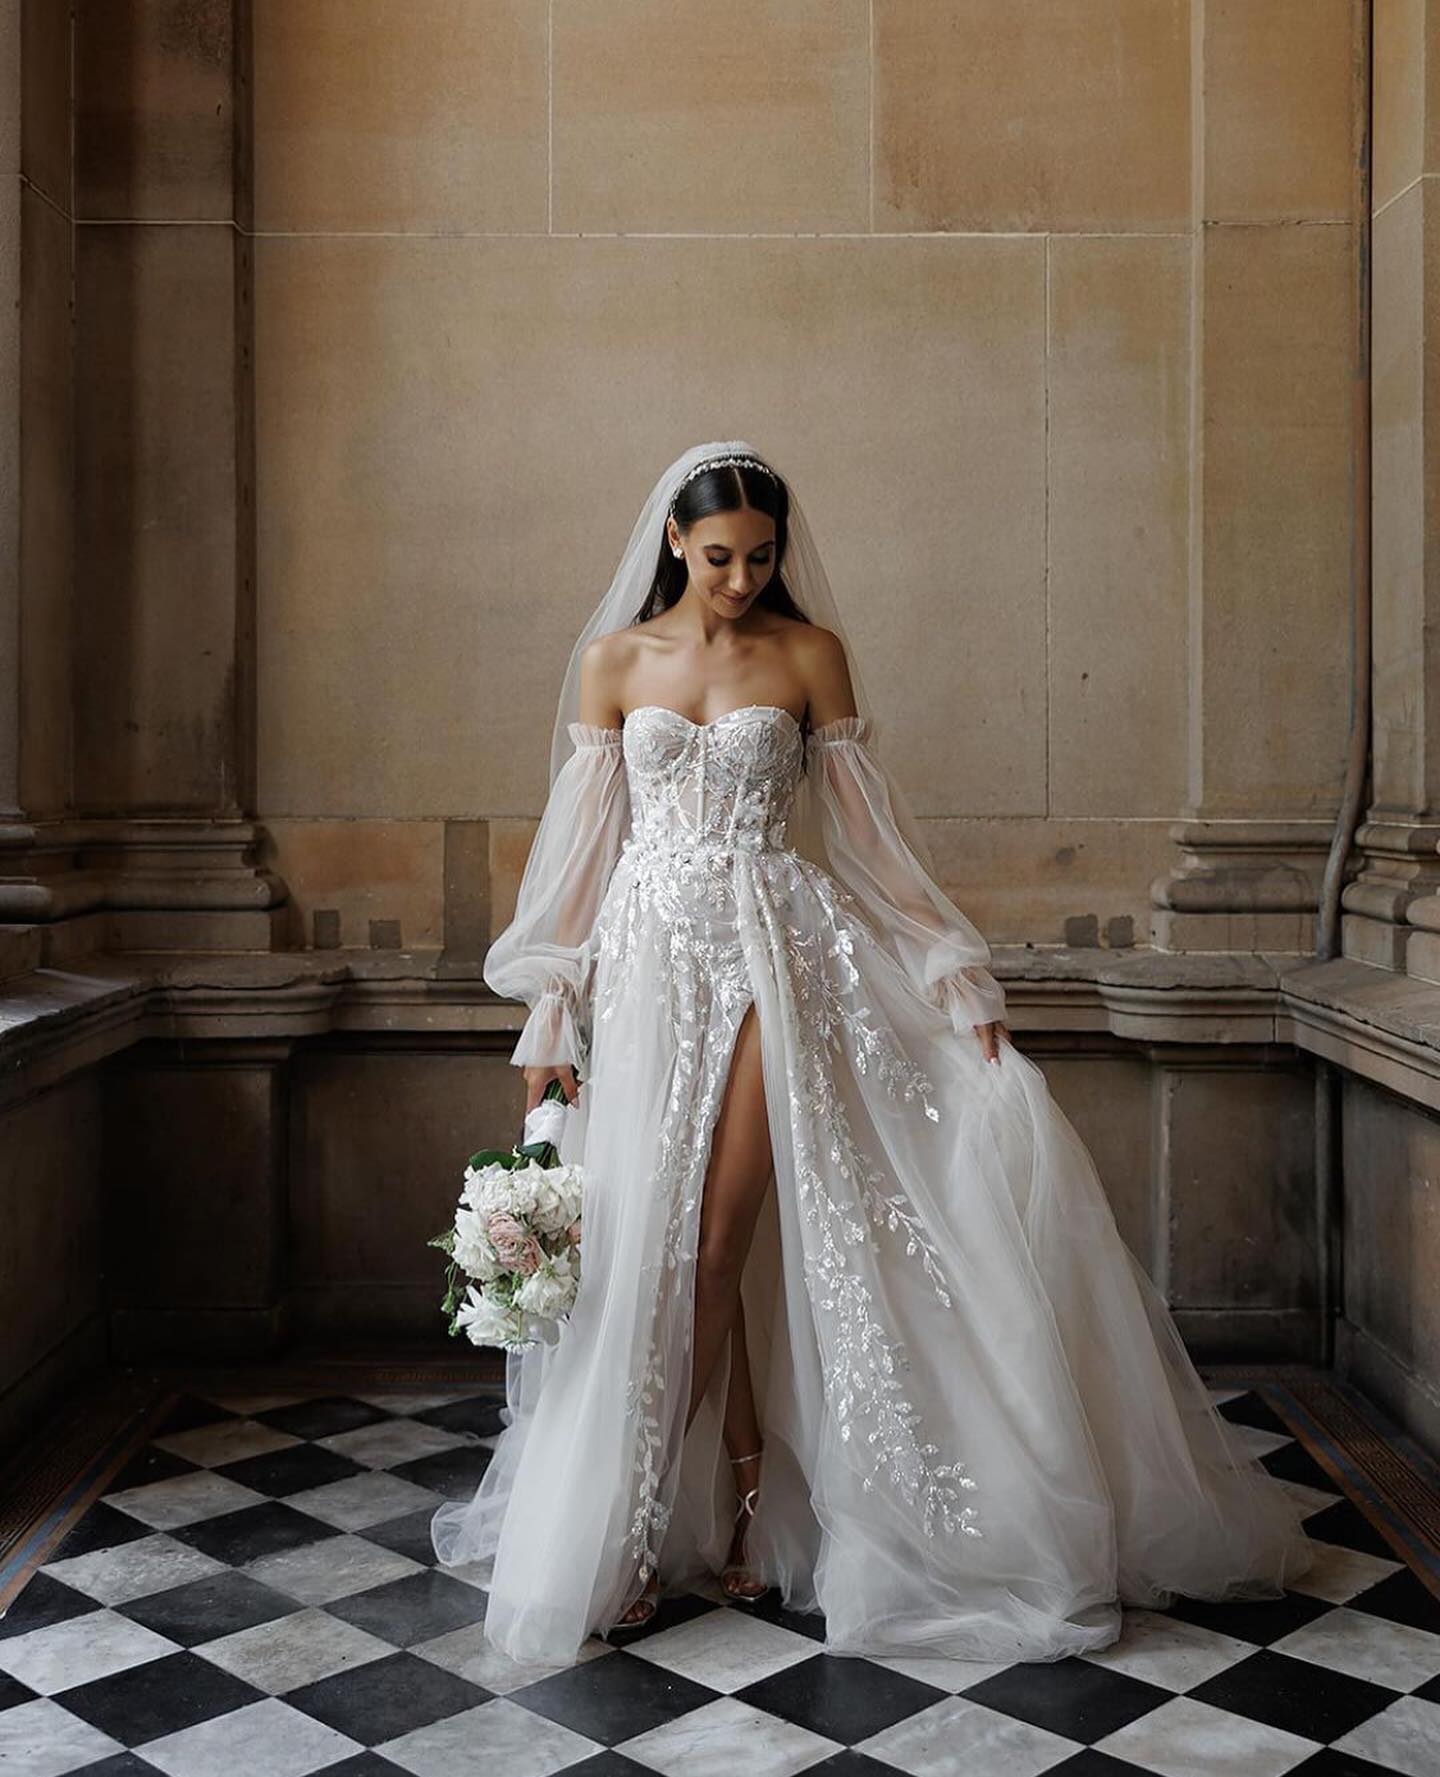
(982, 1432)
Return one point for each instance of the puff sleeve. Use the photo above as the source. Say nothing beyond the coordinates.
(867, 851)
(544, 955)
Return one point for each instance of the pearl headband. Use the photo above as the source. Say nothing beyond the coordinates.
(739, 462)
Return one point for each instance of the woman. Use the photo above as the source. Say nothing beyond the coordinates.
(920, 1384)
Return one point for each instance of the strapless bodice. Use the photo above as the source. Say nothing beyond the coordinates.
(725, 785)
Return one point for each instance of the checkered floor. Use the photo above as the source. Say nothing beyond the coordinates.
(256, 1596)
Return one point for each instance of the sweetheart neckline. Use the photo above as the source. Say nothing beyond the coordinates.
(722, 717)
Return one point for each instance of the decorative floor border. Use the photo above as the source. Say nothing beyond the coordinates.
(1382, 1471)
(65, 1469)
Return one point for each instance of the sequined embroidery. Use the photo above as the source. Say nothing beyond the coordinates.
(710, 805)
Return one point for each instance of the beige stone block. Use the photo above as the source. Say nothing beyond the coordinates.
(47, 371)
(1402, 57)
(50, 1258)
(195, 1184)
(418, 115)
(1404, 606)
(990, 115)
(1277, 519)
(362, 871)
(155, 519)
(1238, 1148)
(454, 445)
(1049, 882)
(45, 156)
(678, 114)
(1110, 1100)
(1392, 1227)
(1278, 109)
(1118, 524)
(382, 1142)
(154, 109)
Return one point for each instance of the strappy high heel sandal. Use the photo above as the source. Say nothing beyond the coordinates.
(738, 1581)
(646, 1601)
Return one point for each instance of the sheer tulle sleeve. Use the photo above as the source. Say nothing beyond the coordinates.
(867, 850)
(543, 956)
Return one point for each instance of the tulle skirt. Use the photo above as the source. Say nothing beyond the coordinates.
(982, 1432)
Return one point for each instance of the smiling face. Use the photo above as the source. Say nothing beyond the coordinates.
(730, 556)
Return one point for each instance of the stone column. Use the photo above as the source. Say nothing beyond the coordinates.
(142, 840)
(1392, 909)
(1273, 358)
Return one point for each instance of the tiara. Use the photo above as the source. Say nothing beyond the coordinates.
(738, 462)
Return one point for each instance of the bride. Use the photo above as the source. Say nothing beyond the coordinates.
(854, 1318)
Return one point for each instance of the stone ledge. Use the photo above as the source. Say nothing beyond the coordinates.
(1383, 1026)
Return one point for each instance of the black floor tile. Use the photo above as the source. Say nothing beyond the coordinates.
(1091, 1763)
(205, 1609)
(147, 1465)
(1257, 1620)
(369, 1764)
(325, 1418)
(1401, 1598)
(13, 1692)
(291, 1470)
(43, 1601)
(160, 1697)
(615, 1764)
(613, 1697)
(810, 1623)
(1074, 1697)
(190, 1411)
(844, 1698)
(1320, 1704)
(453, 1474)
(253, 1531)
(102, 1527)
(386, 1698)
(406, 1535)
(1347, 1525)
(1249, 1409)
(679, 1608)
(119, 1764)
(1293, 1462)
(413, 1609)
(849, 1763)
(1329, 1762)
(478, 1413)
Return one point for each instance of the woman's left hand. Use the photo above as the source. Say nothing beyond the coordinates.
(990, 1035)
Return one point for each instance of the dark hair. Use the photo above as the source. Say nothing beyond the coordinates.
(726, 488)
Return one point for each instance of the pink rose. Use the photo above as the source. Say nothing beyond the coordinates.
(572, 1233)
(508, 1237)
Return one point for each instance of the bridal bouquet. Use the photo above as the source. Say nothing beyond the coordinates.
(514, 1249)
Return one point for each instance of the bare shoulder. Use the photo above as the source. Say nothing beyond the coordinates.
(822, 664)
(603, 662)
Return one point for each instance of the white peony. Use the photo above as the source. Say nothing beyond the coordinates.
(487, 1322)
(548, 1292)
(473, 1252)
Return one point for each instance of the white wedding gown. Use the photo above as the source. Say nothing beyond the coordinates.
(981, 1430)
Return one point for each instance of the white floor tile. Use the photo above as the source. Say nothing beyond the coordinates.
(299, 1649)
(469, 1654)
(390, 1441)
(134, 1569)
(227, 1440)
(184, 1499)
(725, 1649)
(1188, 1738)
(1353, 1641)
(267, 1739)
(960, 1738)
(1166, 1651)
(362, 1500)
(726, 1737)
(335, 1567)
(1338, 1574)
(41, 1739)
(81, 1648)
(498, 1736)
(1405, 1737)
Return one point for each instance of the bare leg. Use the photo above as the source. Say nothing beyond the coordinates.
(735, 1181)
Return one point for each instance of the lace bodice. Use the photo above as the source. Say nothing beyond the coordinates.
(724, 785)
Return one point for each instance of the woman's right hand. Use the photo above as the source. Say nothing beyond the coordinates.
(538, 1078)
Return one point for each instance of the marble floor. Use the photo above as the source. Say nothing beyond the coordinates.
(253, 1594)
